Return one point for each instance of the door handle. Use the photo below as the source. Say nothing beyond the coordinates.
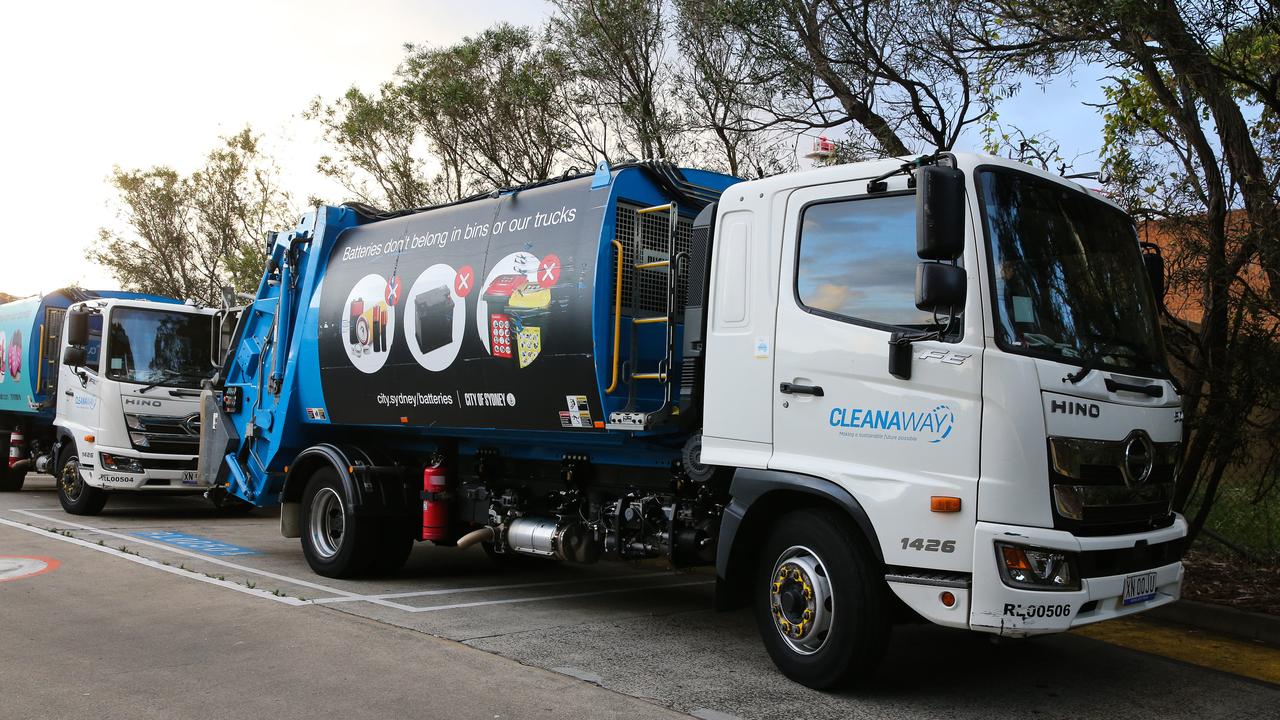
(1153, 390)
(68, 393)
(794, 389)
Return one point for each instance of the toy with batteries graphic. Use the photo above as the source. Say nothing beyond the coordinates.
(519, 312)
(368, 326)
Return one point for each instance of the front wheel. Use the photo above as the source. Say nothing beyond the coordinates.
(77, 497)
(820, 601)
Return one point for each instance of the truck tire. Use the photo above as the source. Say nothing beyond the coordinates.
(77, 498)
(336, 543)
(820, 600)
(395, 542)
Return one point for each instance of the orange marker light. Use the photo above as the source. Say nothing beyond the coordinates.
(89, 438)
(948, 599)
(404, 420)
(944, 504)
(1014, 559)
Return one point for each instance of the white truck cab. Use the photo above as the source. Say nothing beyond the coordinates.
(1010, 448)
(128, 404)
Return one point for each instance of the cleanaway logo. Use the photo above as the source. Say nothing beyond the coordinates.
(932, 426)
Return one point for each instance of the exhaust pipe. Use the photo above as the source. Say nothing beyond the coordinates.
(484, 534)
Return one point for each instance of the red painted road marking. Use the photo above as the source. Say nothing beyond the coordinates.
(16, 567)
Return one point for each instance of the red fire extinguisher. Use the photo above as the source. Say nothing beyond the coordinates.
(435, 504)
(17, 447)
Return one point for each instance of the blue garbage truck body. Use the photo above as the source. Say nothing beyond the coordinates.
(384, 344)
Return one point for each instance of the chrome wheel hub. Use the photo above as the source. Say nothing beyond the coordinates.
(326, 523)
(800, 600)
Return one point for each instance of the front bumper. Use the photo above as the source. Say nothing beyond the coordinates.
(997, 608)
(161, 473)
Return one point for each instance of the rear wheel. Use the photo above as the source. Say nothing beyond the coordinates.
(394, 545)
(77, 497)
(820, 601)
(335, 542)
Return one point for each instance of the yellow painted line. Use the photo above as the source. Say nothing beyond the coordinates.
(1252, 660)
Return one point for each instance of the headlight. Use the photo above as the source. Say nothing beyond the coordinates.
(1031, 568)
(139, 439)
(133, 422)
(121, 464)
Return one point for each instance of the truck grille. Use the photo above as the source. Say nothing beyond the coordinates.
(1096, 489)
(167, 435)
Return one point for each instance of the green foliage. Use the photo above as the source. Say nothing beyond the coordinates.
(186, 237)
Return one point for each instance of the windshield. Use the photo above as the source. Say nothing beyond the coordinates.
(158, 346)
(1068, 276)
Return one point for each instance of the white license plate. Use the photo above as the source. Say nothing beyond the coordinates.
(189, 477)
(1139, 588)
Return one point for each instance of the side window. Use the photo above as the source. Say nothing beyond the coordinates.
(93, 349)
(857, 260)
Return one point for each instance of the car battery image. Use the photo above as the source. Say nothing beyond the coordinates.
(433, 313)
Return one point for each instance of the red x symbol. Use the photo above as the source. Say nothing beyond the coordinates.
(391, 293)
(549, 271)
(464, 280)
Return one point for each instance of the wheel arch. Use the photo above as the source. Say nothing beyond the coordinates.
(758, 497)
(306, 464)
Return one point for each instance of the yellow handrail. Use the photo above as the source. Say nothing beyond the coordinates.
(40, 360)
(654, 209)
(617, 317)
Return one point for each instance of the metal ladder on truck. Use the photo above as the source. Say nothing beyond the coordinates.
(631, 417)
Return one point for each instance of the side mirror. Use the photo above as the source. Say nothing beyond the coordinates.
(1153, 261)
(939, 212)
(940, 288)
(73, 356)
(78, 327)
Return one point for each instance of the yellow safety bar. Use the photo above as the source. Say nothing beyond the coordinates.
(648, 320)
(617, 317)
(654, 264)
(654, 209)
(40, 360)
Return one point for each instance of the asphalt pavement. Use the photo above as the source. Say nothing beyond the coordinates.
(163, 607)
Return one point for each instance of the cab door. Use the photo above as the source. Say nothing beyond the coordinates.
(79, 389)
(847, 283)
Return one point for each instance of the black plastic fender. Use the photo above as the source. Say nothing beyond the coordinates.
(748, 486)
(369, 487)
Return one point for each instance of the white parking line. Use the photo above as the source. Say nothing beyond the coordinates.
(61, 522)
(478, 603)
(256, 592)
(517, 586)
(343, 595)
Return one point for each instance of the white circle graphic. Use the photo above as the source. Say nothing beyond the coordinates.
(435, 318)
(368, 324)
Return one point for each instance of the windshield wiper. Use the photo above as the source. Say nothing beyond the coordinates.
(170, 376)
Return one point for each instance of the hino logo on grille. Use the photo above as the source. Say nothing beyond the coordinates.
(1092, 410)
(1139, 456)
(191, 424)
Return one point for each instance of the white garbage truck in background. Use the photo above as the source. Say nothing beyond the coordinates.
(937, 384)
(101, 389)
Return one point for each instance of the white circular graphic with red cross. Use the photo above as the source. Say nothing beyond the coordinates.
(464, 281)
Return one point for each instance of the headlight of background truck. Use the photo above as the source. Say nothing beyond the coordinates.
(120, 464)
